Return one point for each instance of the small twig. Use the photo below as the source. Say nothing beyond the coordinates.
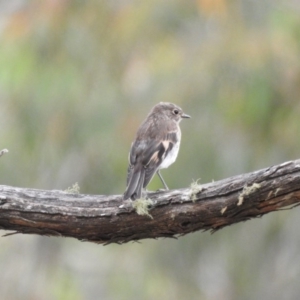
(3, 151)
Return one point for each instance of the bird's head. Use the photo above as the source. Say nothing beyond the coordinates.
(170, 110)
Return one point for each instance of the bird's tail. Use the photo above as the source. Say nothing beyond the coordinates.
(135, 184)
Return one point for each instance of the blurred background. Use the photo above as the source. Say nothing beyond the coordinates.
(76, 80)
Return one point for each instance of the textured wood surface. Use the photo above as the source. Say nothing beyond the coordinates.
(108, 219)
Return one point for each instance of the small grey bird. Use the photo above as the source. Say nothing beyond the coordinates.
(155, 147)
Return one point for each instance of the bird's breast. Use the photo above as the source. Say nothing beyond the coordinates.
(172, 154)
(171, 157)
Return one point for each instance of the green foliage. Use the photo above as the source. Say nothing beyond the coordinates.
(76, 80)
(65, 288)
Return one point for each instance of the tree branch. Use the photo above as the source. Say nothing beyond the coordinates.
(108, 219)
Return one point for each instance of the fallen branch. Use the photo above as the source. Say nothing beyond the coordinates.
(108, 219)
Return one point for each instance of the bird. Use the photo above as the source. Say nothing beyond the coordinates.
(155, 147)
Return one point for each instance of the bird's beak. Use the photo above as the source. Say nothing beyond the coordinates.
(185, 116)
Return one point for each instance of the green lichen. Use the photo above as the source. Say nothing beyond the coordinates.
(247, 190)
(142, 206)
(195, 189)
(74, 189)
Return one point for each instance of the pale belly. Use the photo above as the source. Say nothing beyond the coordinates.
(171, 157)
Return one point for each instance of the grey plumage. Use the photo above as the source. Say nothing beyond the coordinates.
(155, 147)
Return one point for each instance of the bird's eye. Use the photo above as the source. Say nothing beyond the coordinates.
(175, 111)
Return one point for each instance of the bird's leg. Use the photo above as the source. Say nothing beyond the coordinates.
(144, 193)
(162, 180)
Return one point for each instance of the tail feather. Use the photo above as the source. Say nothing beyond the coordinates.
(135, 184)
(139, 188)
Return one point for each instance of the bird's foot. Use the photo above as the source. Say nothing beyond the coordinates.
(162, 190)
(127, 205)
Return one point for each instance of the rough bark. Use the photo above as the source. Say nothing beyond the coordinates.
(108, 219)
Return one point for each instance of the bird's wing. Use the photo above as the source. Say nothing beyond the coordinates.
(136, 171)
(156, 153)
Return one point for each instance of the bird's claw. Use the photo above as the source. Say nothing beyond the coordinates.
(127, 205)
